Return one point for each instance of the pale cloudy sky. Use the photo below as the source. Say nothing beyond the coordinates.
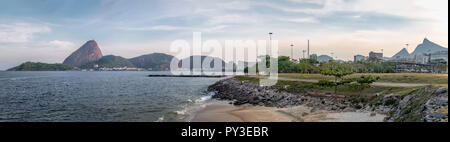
(49, 30)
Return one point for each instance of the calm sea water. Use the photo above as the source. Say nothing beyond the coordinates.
(97, 96)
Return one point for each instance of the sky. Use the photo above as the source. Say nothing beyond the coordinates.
(50, 30)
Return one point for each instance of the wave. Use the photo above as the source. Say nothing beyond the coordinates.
(190, 110)
(160, 119)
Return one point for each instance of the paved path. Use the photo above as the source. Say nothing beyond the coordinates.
(376, 83)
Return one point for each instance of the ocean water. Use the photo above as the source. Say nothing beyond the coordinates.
(99, 97)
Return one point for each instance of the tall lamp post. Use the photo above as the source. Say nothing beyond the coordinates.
(270, 36)
(270, 40)
(308, 50)
(292, 51)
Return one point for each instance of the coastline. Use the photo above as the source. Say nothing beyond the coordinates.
(229, 103)
(222, 111)
(243, 101)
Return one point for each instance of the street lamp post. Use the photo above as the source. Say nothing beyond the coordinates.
(270, 40)
(292, 51)
(270, 36)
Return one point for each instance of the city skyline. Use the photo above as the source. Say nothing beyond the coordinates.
(49, 30)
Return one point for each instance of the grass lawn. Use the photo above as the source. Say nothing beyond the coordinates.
(303, 87)
(427, 78)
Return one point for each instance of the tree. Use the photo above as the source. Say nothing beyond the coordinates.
(365, 82)
(338, 79)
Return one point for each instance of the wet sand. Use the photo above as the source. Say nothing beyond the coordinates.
(224, 112)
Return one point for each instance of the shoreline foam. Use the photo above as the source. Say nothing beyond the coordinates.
(221, 111)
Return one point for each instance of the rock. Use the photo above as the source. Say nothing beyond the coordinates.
(348, 109)
(373, 114)
(388, 96)
(231, 89)
(359, 106)
(404, 102)
(305, 114)
(441, 91)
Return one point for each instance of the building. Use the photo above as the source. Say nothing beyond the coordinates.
(324, 58)
(359, 58)
(375, 55)
(439, 55)
(313, 56)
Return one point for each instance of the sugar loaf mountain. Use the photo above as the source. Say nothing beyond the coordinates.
(90, 57)
(89, 52)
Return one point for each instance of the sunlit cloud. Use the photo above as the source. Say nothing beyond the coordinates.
(302, 20)
(153, 28)
(20, 32)
(346, 27)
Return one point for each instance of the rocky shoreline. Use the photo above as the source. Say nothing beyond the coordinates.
(413, 107)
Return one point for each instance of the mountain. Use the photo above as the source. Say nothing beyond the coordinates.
(207, 59)
(428, 47)
(155, 61)
(89, 52)
(30, 66)
(403, 54)
(109, 61)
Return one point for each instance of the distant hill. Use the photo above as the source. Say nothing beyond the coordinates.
(208, 59)
(109, 61)
(155, 61)
(87, 53)
(31, 66)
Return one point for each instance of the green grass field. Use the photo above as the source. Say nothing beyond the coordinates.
(304, 87)
(366, 96)
(435, 79)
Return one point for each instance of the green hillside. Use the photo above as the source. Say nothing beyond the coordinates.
(155, 61)
(109, 61)
(31, 66)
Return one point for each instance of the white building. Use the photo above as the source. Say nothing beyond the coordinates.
(359, 58)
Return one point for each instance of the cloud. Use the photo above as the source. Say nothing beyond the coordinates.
(43, 51)
(318, 2)
(61, 44)
(215, 28)
(154, 28)
(347, 24)
(231, 19)
(235, 5)
(20, 32)
(302, 20)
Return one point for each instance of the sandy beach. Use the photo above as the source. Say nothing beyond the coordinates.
(224, 112)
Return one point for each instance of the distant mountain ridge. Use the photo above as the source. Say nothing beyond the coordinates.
(31, 66)
(89, 52)
(109, 61)
(155, 61)
(89, 56)
(210, 62)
